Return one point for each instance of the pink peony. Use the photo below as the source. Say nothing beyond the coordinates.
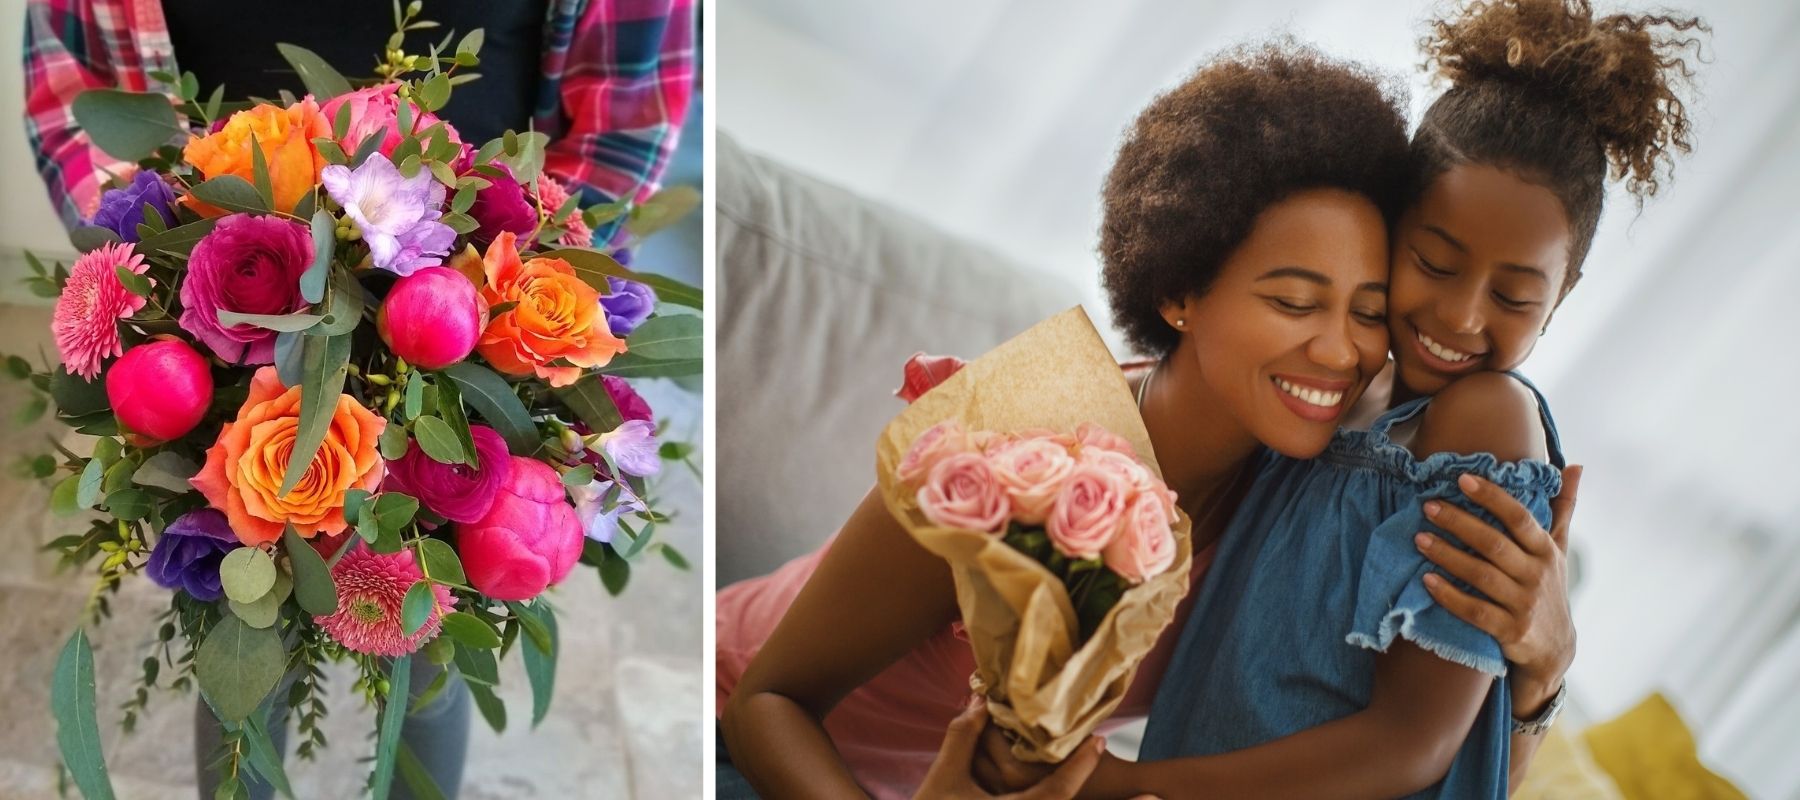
(551, 196)
(1145, 546)
(432, 318)
(160, 389)
(938, 442)
(1088, 513)
(961, 493)
(527, 541)
(86, 320)
(371, 589)
(248, 265)
(376, 111)
(1033, 472)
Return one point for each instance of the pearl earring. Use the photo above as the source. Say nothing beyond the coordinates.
(1181, 323)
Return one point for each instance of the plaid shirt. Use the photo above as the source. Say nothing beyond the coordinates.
(617, 75)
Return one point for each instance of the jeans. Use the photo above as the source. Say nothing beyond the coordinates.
(437, 734)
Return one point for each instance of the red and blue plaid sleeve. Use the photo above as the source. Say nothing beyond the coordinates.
(67, 48)
(625, 70)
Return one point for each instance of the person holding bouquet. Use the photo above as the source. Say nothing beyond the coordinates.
(840, 672)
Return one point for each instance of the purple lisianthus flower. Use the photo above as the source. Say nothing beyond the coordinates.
(631, 405)
(122, 210)
(250, 265)
(188, 554)
(632, 447)
(502, 206)
(599, 518)
(398, 215)
(455, 492)
(628, 306)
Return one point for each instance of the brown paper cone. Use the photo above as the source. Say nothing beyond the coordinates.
(1020, 621)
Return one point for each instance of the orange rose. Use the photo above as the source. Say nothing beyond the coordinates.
(558, 318)
(285, 136)
(245, 467)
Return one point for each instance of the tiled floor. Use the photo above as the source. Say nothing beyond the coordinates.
(626, 721)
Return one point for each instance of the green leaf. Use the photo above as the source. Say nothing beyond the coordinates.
(413, 773)
(129, 504)
(262, 612)
(663, 209)
(492, 397)
(265, 760)
(18, 368)
(87, 238)
(394, 511)
(540, 665)
(579, 476)
(179, 240)
(118, 476)
(324, 238)
(33, 409)
(76, 397)
(290, 363)
(190, 86)
(415, 395)
(259, 172)
(614, 574)
(415, 610)
(326, 360)
(442, 173)
(214, 100)
(594, 267)
(133, 282)
(532, 621)
(318, 77)
(369, 147)
(77, 726)
(435, 93)
(393, 442)
(393, 716)
(465, 197)
(441, 562)
(231, 193)
(87, 493)
(675, 558)
(478, 666)
(167, 470)
(490, 706)
(470, 631)
(450, 407)
(353, 503)
(461, 223)
(281, 323)
(471, 42)
(631, 365)
(237, 666)
(313, 586)
(343, 307)
(438, 440)
(247, 574)
(529, 163)
(587, 397)
(127, 125)
(675, 451)
(63, 500)
(675, 337)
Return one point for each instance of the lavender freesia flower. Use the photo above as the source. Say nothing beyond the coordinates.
(599, 518)
(628, 306)
(188, 554)
(122, 210)
(632, 447)
(398, 215)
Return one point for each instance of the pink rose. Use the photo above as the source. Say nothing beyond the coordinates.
(1095, 436)
(1145, 546)
(528, 540)
(432, 318)
(1033, 472)
(1087, 515)
(1136, 476)
(375, 111)
(944, 439)
(961, 493)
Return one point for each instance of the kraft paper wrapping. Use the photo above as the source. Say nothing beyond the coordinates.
(1020, 621)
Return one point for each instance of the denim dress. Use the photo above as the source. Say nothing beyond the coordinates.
(1315, 575)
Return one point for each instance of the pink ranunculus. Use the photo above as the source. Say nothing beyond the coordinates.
(160, 389)
(432, 318)
(527, 541)
(938, 442)
(1145, 546)
(249, 265)
(502, 207)
(375, 111)
(1092, 435)
(1088, 513)
(631, 405)
(1033, 471)
(961, 492)
(456, 492)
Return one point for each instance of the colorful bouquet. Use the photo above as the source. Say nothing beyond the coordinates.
(358, 393)
(1030, 472)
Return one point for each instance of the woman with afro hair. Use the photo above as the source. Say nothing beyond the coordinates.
(1245, 247)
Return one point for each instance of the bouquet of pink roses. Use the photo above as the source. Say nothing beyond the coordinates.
(1029, 471)
(358, 392)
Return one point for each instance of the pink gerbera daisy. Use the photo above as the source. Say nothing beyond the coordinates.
(371, 588)
(92, 303)
(551, 196)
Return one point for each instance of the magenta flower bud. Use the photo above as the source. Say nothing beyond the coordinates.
(431, 318)
(528, 540)
(160, 389)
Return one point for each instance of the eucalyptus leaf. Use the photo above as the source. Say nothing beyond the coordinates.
(393, 716)
(247, 574)
(316, 75)
(77, 725)
(87, 493)
(343, 307)
(675, 558)
(631, 365)
(663, 209)
(614, 574)
(438, 441)
(128, 126)
(129, 504)
(414, 403)
(281, 323)
(237, 666)
(88, 238)
(674, 337)
(441, 562)
(313, 586)
(264, 759)
(262, 612)
(167, 470)
(63, 498)
(325, 362)
(490, 706)
(470, 631)
(415, 609)
(324, 239)
(290, 365)
(450, 408)
(259, 171)
(231, 193)
(594, 267)
(394, 511)
(540, 665)
(179, 240)
(393, 442)
(493, 398)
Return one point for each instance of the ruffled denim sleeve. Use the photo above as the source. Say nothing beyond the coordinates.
(1391, 599)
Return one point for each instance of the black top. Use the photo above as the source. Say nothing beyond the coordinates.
(233, 42)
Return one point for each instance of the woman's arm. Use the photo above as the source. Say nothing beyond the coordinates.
(876, 595)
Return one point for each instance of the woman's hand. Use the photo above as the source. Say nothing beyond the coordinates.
(951, 776)
(1524, 577)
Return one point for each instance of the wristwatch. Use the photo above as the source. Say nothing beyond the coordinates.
(1534, 727)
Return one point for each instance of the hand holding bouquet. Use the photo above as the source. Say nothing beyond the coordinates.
(1030, 472)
